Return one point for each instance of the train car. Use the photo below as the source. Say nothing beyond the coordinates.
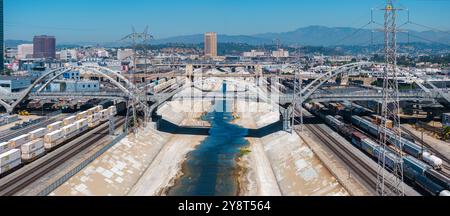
(94, 120)
(5, 146)
(53, 139)
(438, 178)
(98, 108)
(104, 115)
(9, 157)
(407, 146)
(29, 157)
(112, 110)
(91, 111)
(428, 185)
(346, 131)
(357, 137)
(389, 158)
(106, 103)
(368, 146)
(38, 133)
(81, 124)
(4, 169)
(69, 120)
(69, 130)
(55, 126)
(415, 164)
(32, 150)
(32, 146)
(19, 141)
(333, 122)
(82, 115)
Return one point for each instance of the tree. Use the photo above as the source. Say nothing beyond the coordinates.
(446, 132)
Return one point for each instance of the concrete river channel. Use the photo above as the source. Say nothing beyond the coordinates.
(210, 169)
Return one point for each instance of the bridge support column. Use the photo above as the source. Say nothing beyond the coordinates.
(286, 118)
(190, 74)
(258, 73)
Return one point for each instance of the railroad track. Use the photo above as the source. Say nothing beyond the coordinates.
(437, 153)
(350, 159)
(17, 183)
(366, 172)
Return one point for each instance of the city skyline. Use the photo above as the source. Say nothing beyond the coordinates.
(96, 21)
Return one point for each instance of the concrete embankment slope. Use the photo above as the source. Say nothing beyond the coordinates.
(150, 154)
(280, 163)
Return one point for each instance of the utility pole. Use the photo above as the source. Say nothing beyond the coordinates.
(390, 108)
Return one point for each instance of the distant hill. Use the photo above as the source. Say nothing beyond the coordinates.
(15, 43)
(306, 36)
(326, 36)
(316, 36)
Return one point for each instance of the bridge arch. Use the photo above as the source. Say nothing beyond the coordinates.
(50, 76)
(309, 89)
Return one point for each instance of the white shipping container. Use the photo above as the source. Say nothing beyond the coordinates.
(5, 146)
(53, 136)
(34, 154)
(9, 156)
(55, 126)
(98, 108)
(32, 146)
(10, 166)
(39, 133)
(92, 110)
(104, 114)
(112, 110)
(20, 140)
(82, 115)
(69, 129)
(94, 120)
(69, 120)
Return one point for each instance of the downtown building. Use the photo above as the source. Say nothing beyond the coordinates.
(44, 46)
(24, 51)
(210, 44)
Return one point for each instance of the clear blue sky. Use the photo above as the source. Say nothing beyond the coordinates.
(109, 20)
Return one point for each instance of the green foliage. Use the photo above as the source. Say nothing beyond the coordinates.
(244, 151)
(6, 72)
(446, 132)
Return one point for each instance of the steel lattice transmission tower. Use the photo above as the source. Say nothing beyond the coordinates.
(139, 41)
(388, 185)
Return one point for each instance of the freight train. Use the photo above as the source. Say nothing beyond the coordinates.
(28, 147)
(409, 146)
(405, 145)
(164, 85)
(415, 171)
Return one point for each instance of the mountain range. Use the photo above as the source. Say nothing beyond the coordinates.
(306, 36)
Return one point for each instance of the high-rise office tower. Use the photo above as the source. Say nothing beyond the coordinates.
(1, 36)
(44, 46)
(211, 44)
